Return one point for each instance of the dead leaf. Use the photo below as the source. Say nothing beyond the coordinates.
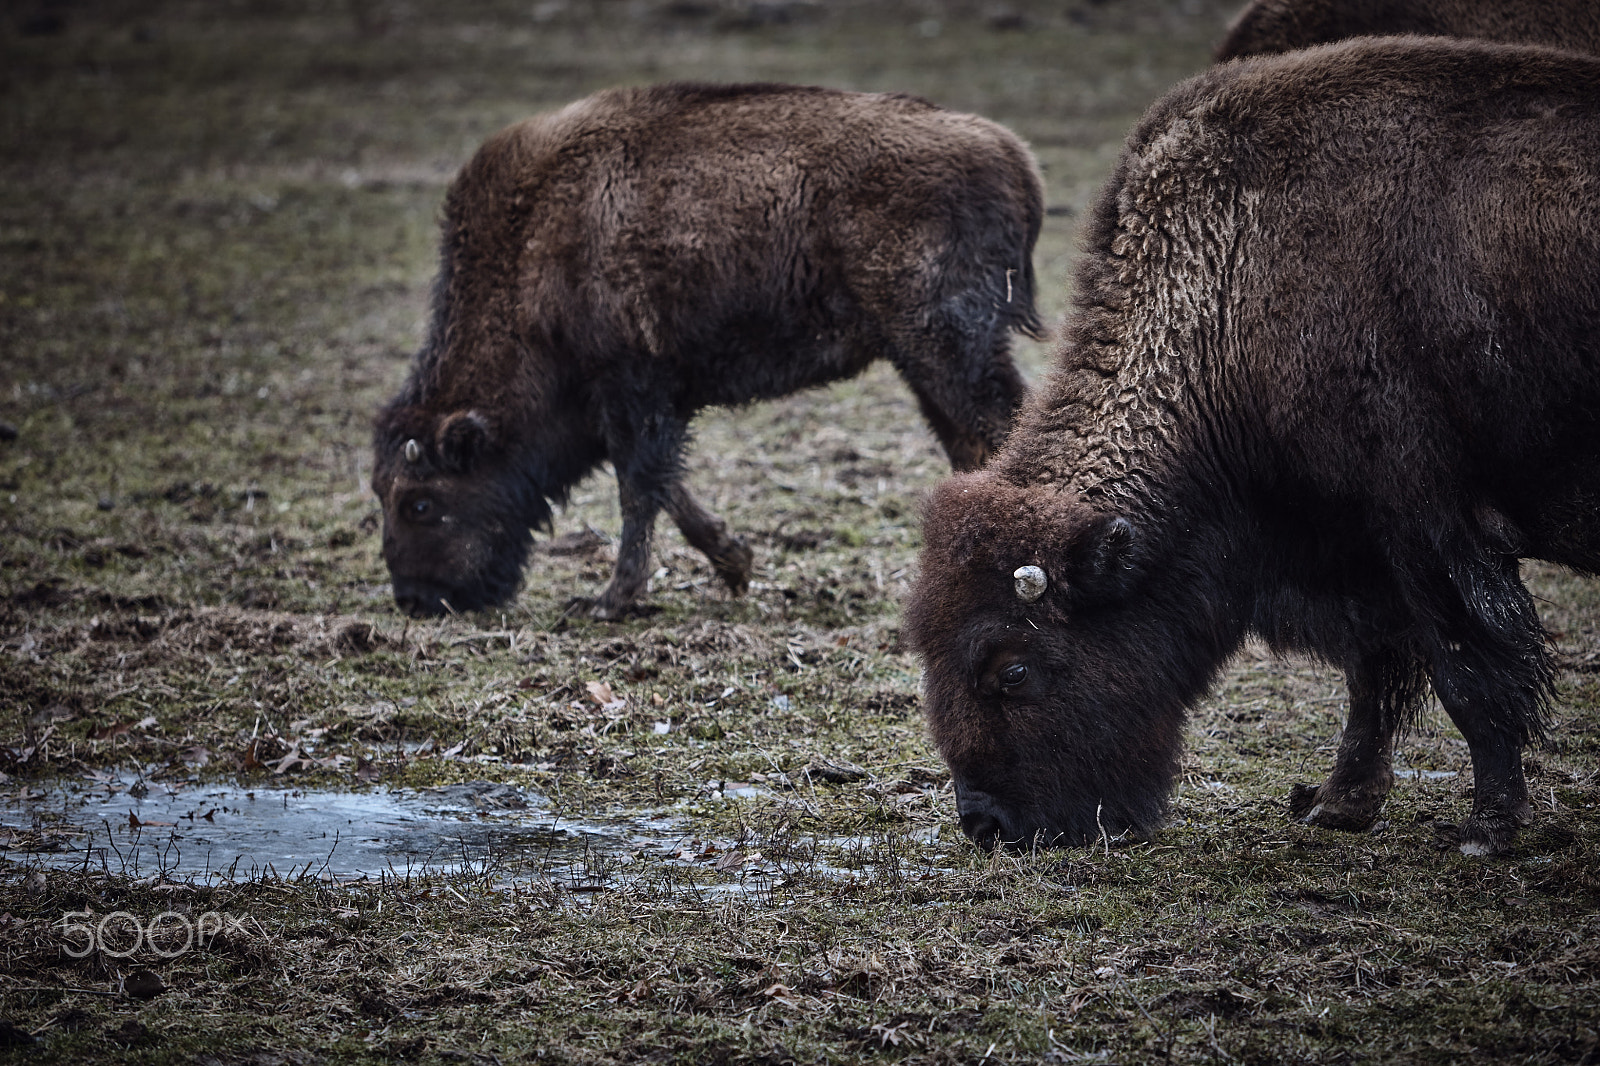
(781, 993)
(893, 1034)
(135, 822)
(292, 759)
(27, 753)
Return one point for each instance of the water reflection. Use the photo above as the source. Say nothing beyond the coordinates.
(221, 832)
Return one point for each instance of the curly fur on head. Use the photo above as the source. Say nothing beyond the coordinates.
(980, 523)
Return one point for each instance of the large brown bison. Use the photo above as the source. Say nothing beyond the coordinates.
(1268, 26)
(1333, 367)
(610, 269)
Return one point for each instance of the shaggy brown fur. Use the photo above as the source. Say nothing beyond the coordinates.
(612, 268)
(1334, 366)
(1269, 26)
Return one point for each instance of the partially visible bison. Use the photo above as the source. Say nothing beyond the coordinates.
(1333, 367)
(610, 269)
(1268, 26)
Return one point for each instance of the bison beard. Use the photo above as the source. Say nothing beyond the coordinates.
(1333, 368)
(610, 269)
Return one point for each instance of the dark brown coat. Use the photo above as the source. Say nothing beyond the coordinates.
(1265, 27)
(1334, 366)
(610, 269)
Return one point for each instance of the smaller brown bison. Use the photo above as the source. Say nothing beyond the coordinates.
(612, 268)
(1333, 367)
(1264, 27)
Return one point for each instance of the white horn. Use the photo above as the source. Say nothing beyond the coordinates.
(413, 451)
(1031, 583)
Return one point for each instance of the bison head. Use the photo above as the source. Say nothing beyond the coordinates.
(455, 514)
(1050, 681)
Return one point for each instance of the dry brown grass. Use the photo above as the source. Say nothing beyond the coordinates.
(215, 242)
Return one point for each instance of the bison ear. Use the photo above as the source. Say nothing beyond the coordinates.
(462, 437)
(1103, 564)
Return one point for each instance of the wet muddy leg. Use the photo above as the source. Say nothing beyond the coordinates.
(1500, 804)
(1493, 676)
(645, 444)
(730, 556)
(628, 580)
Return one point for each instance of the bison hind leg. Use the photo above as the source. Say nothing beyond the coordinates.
(1500, 805)
(730, 556)
(601, 610)
(1491, 832)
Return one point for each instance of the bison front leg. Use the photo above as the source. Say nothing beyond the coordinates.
(645, 445)
(1381, 690)
(628, 580)
(730, 556)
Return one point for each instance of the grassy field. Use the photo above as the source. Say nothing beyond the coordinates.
(216, 238)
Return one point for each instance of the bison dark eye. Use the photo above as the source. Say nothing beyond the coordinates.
(421, 508)
(1013, 675)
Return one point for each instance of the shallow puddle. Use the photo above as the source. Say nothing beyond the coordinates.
(219, 832)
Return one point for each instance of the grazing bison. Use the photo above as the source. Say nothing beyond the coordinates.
(610, 269)
(1333, 367)
(1267, 26)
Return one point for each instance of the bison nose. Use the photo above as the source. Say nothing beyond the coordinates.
(980, 818)
(416, 599)
(982, 828)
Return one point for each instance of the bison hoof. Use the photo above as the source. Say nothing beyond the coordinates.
(733, 567)
(1326, 809)
(1481, 838)
(601, 611)
(1492, 832)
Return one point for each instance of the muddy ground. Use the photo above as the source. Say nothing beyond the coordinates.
(216, 237)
